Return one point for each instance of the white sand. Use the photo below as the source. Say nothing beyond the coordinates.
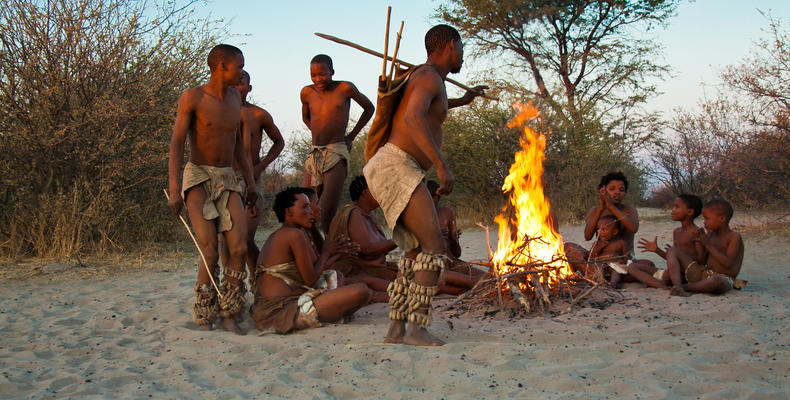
(131, 336)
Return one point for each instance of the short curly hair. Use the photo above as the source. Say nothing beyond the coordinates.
(356, 187)
(284, 200)
(613, 176)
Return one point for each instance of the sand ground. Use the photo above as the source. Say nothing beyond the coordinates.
(123, 328)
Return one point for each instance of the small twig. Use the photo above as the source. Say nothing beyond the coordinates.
(205, 264)
(583, 295)
(488, 241)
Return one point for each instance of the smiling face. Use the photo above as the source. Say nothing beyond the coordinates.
(300, 213)
(321, 75)
(616, 190)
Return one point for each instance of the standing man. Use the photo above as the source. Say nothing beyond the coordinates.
(255, 121)
(395, 178)
(210, 117)
(325, 108)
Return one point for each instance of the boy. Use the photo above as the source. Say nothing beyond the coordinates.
(613, 252)
(254, 121)
(325, 108)
(724, 255)
(210, 116)
(685, 209)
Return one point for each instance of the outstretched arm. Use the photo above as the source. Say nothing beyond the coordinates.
(367, 111)
(467, 97)
(180, 132)
(267, 123)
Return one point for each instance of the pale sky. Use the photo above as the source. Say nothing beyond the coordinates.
(278, 43)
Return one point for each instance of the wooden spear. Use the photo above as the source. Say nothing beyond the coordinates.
(404, 63)
(386, 44)
(394, 56)
(210, 276)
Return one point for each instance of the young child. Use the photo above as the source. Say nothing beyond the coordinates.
(325, 108)
(685, 209)
(613, 252)
(724, 255)
(210, 117)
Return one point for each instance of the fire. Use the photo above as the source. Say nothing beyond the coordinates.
(530, 214)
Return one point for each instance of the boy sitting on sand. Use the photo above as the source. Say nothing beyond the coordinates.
(325, 108)
(686, 208)
(724, 255)
(613, 252)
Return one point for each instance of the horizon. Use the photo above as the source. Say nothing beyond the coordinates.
(702, 39)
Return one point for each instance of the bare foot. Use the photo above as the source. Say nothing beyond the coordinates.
(395, 332)
(419, 336)
(230, 325)
(679, 291)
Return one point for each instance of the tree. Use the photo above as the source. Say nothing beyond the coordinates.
(737, 146)
(586, 65)
(87, 100)
(584, 58)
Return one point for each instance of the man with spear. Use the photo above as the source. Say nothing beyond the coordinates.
(411, 142)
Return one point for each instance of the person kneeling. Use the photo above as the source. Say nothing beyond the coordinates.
(297, 290)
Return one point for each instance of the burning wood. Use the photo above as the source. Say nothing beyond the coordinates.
(529, 265)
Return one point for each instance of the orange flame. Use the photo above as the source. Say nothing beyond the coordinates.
(532, 216)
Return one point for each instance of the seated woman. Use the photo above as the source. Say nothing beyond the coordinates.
(611, 192)
(297, 290)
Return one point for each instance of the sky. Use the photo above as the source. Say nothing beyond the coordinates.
(278, 42)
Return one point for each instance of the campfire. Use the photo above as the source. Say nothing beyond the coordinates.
(529, 265)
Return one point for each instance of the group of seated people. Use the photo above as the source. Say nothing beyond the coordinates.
(303, 279)
(698, 260)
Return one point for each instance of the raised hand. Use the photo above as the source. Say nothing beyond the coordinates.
(648, 245)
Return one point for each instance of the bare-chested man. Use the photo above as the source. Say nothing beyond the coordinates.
(255, 121)
(395, 178)
(325, 108)
(210, 117)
